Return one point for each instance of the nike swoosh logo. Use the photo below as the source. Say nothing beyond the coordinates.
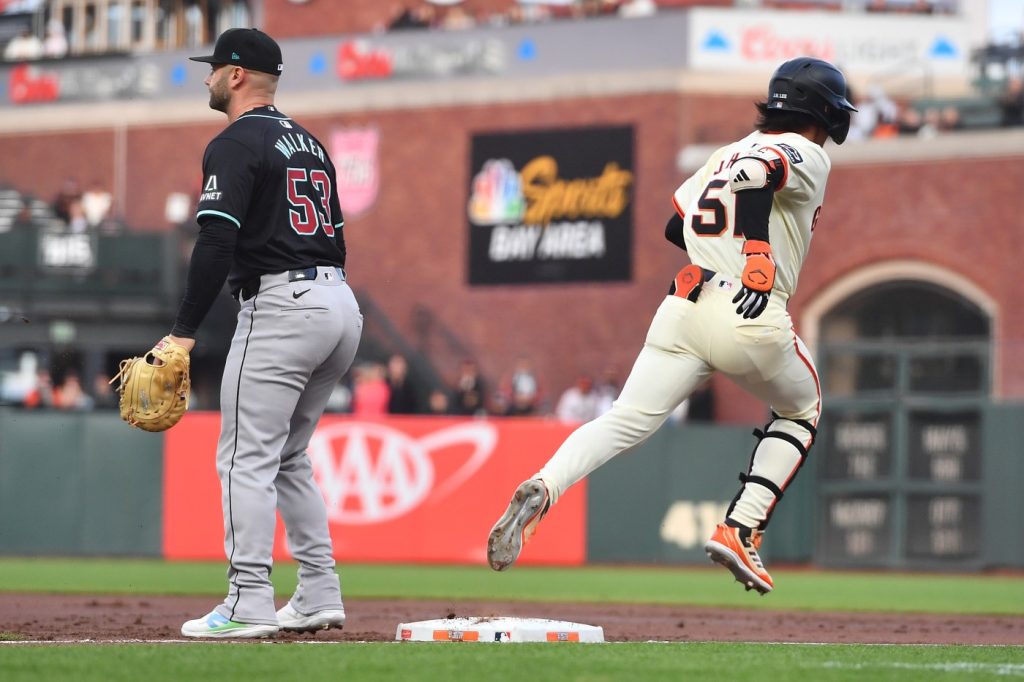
(297, 294)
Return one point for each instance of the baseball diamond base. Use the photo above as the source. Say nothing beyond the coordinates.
(497, 629)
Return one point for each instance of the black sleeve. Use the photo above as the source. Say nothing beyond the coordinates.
(211, 261)
(230, 168)
(674, 231)
(754, 205)
(753, 208)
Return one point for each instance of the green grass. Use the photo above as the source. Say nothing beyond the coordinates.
(805, 590)
(634, 662)
(537, 662)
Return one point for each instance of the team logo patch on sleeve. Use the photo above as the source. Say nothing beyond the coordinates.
(210, 191)
(791, 152)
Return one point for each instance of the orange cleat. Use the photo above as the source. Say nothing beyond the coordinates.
(736, 549)
(519, 522)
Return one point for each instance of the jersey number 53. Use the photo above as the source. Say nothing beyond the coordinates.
(309, 192)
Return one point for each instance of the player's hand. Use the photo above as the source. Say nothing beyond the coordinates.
(758, 279)
(186, 343)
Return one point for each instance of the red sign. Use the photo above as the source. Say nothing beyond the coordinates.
(762, 43)
(360, 61)
(29, 84)
(354, 152)
(411, 489)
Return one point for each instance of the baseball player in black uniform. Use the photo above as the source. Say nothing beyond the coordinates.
(270, 216)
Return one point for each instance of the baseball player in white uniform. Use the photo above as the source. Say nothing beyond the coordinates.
(746, 220)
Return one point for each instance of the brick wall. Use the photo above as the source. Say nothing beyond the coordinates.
(410, 247)
(287, 19)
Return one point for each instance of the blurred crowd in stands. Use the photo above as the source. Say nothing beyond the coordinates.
(997, 101)
(27, 46)
(378, 389)
(422, 14)
(55, 384)
(389, 387)
(51, 39)
(69, 394)
(72, 210)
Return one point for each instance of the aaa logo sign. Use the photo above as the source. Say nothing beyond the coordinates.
(397, 489)
(371, 473)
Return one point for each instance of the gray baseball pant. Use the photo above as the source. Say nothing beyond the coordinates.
(293, 343)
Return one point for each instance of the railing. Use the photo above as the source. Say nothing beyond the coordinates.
(89, 275)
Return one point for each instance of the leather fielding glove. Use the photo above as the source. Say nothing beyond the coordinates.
(758, 279)
(154, 388)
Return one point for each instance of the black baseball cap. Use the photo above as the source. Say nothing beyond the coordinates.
(248, 48)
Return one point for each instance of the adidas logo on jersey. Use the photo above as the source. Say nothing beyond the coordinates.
(741, 176)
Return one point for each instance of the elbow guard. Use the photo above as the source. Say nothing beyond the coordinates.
(760, 170)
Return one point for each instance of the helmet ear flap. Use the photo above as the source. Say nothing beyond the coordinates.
(840, 127)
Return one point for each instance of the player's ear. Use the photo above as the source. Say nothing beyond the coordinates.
(238, 76)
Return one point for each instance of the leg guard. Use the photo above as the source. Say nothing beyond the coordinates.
(780, 452)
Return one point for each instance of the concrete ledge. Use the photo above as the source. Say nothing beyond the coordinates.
(979, 144)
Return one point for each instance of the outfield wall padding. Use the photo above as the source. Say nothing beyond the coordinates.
(86, 484)
(78, 484)
(660, 502)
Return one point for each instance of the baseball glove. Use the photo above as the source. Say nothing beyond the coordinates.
(154, 388)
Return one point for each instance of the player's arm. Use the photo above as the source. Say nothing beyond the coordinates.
(211, 261)
(229, 170)
(337, 217)
(674, 228)
(754, 180)
(674, 231)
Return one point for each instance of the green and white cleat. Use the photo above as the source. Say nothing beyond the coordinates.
(294, 621)
(215, 626)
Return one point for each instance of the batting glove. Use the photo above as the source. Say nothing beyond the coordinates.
(758, 278)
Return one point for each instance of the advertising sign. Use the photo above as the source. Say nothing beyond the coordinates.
(551, 206)
(411, 489)
(86, 81)
(359, 60)
(735, 40)
(944, 526)
(856, 528)
(858, 446)
(354, 151)
(945, 447)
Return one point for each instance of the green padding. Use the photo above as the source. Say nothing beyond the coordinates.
(74, 484)
(661, 501)
(1002, 477)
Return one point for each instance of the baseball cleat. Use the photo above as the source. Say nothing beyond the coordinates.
(215, 626)
(518, 524)
(736, 549)
(291, 620)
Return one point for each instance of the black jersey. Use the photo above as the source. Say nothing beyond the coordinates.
(269, 177)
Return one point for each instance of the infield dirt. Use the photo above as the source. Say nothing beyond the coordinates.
(104, 617)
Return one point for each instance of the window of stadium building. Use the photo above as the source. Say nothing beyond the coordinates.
(905, 338)
(99, 26)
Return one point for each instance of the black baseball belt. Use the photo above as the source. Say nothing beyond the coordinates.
(252, 287)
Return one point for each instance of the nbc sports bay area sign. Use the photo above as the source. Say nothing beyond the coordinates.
(551, 206)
